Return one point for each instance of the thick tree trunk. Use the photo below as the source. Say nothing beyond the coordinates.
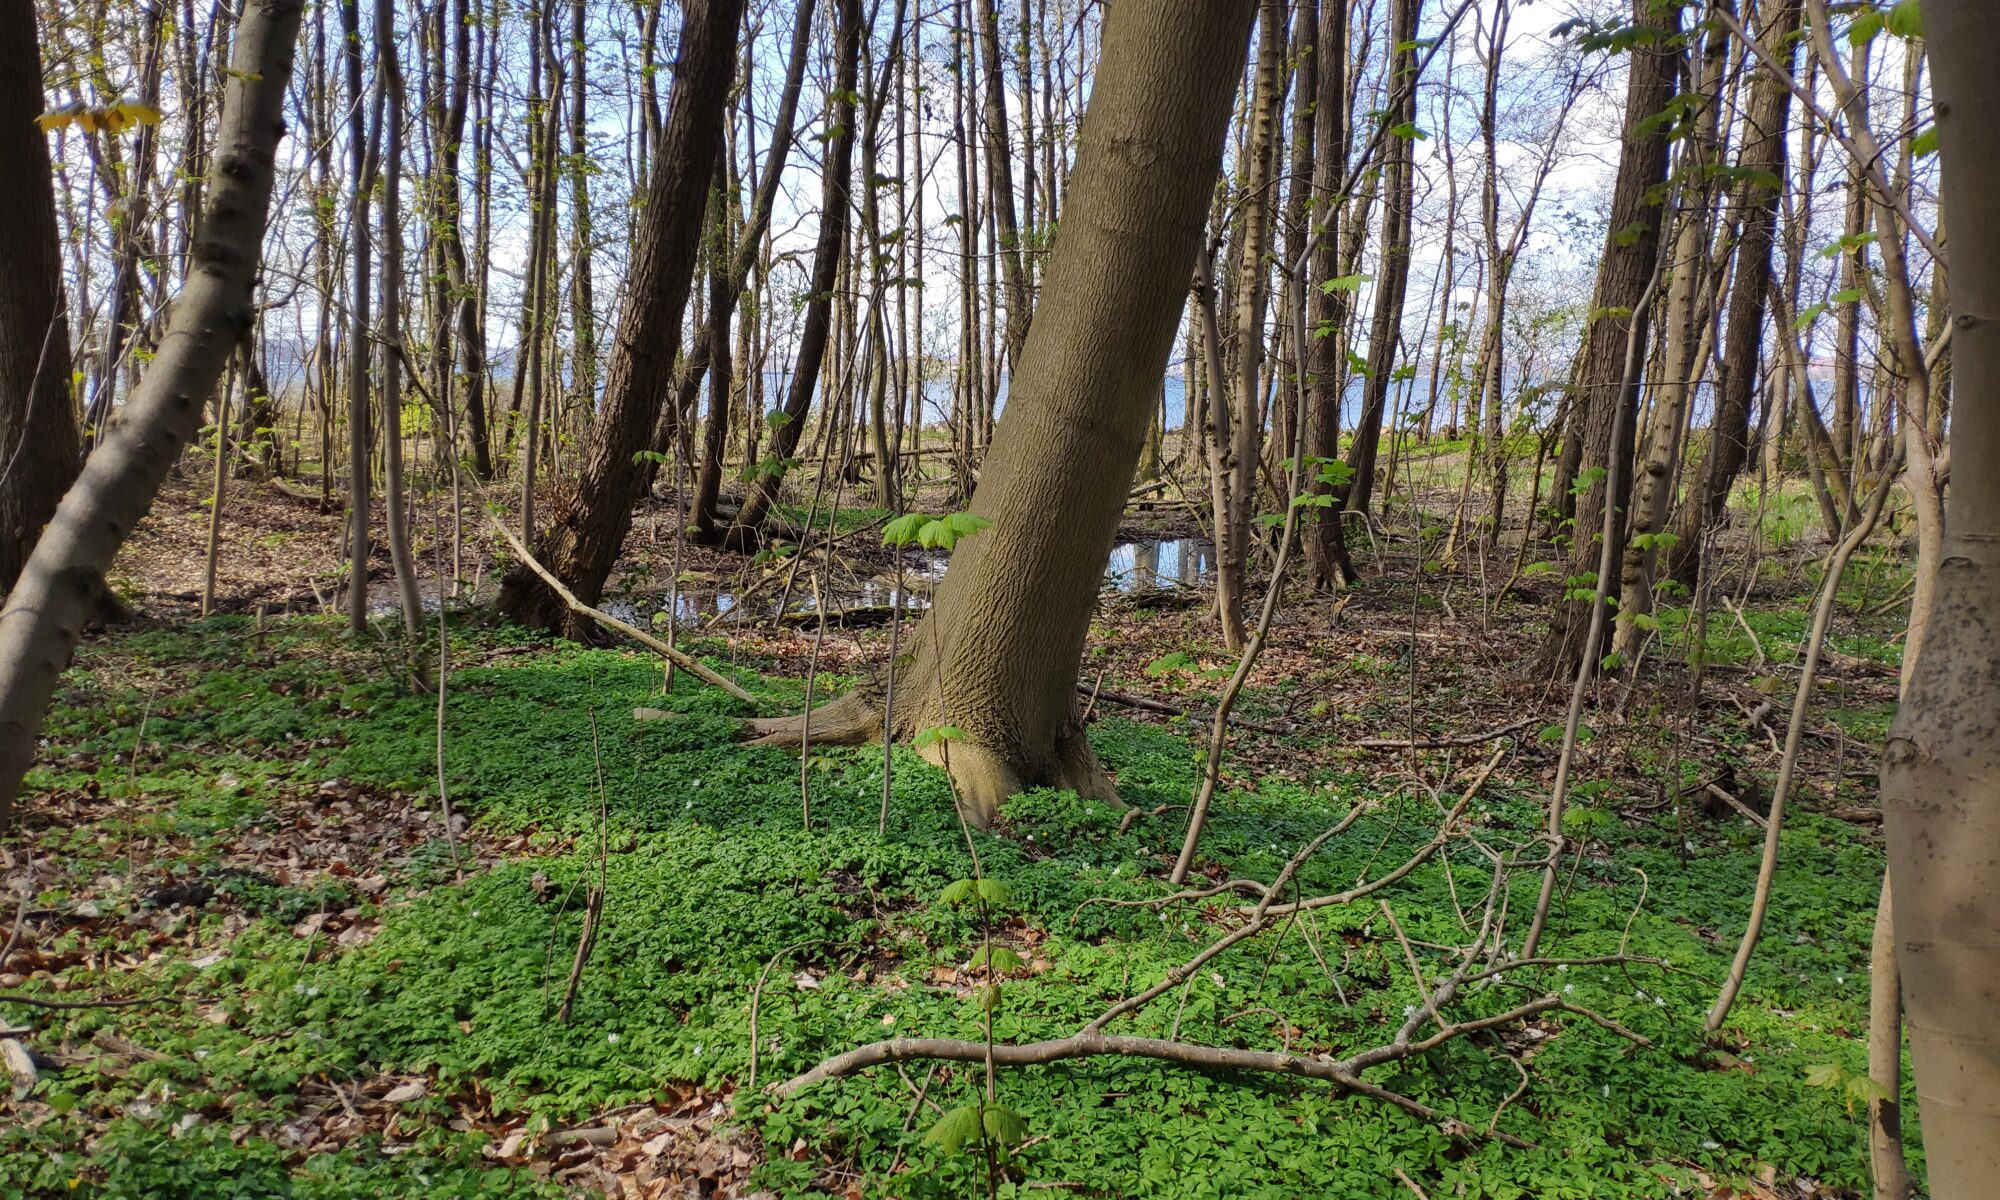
(582, 545)
(64, 575)
(39, 449)
(1631, 247)
(997, 657)
(1941, 769)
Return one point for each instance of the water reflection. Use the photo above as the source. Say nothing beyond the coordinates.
(1163, 563)
(1137, 566)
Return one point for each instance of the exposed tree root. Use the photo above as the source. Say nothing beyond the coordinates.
(983, 777)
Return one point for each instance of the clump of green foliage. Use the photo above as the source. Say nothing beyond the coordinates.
(710, 881)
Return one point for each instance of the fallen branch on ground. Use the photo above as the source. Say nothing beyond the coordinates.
(680, 657)
(1147, 704)
(1449, 743)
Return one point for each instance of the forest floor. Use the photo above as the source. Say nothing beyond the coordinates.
(236, 835)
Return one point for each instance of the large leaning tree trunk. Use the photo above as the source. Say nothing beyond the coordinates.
(997, 656)
(39, 448)
(590, 525)
(63, 577)
(1941, 769)
(1604, 402)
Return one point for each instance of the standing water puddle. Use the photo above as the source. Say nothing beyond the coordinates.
(1153, 564)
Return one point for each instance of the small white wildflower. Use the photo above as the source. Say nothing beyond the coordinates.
(1409, 1010)
(1840, 979)
(1607, 1091)
(1163, 918)
(1118, 870)
(1639, 992)
(1660, 1001)
(1561, 967)
(1568, 988)
(697, 1051)
(475, 912)
(1711, 1145)
(612, 1038)
(1500, 978)
(312, 991)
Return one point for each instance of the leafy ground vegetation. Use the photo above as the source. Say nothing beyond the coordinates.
(238, 837)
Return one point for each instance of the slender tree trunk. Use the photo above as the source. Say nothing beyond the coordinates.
(1738, 368)
(1237, 481)
(711, 353)
(1632, 244)
(1392, 279)
(62, 579)
(1000, 173)
(363, 155)
(817, 326)
(997, 657)
(582, 546)
(1941, 769)
(397, 520)
(1326, 353)
(1681, 359)
(39, 450)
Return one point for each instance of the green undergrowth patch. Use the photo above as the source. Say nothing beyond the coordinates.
(717, 887)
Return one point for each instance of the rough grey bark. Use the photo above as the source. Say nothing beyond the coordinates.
(39, 449)
(1243, 431)
(1941, 769)
(1393, 277)
(828, 252)
(1631, 248)
(725, 290)
(1685, 344)
(61, 581)
(1738, 367)
(998, 655)
(1325, 355)
(589, 528)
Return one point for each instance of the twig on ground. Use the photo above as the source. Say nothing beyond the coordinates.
(1447, 743)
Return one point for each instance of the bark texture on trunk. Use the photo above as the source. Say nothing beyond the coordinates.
(1631, 247)
(816, 329)
(997, 657)
(65, 574)
(590, 524)
(1685, 347)
(1393, 278)
(1737, 369)
(1326, 353)
(39, 448)
(1941, 769)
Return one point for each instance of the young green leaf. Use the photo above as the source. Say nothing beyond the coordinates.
(955, 1130)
